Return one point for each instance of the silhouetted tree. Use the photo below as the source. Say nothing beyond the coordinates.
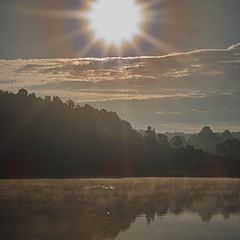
(50, 138)
(163, 141)
(206, 140)
(230, 148)
(22, 92)
(48, 99)
(70, 103)
(177, 142)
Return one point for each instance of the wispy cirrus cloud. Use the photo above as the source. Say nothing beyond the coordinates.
(185, 83)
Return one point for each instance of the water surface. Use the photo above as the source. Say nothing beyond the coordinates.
(154, 208)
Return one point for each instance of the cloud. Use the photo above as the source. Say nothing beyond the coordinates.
(199, 84)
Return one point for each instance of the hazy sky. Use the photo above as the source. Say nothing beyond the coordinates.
(181, 91)
(36, 28)
(178, 88)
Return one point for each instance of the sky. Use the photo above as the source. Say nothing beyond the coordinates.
(184, 76)
(43, 29)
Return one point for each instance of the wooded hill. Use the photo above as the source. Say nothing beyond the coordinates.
(49, 138)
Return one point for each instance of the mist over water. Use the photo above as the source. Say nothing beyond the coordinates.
(105, 90)
(154, 208)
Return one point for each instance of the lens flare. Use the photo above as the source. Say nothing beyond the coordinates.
(115, 22)
(112, 27)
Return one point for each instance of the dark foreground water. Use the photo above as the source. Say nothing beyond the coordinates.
(131, 209)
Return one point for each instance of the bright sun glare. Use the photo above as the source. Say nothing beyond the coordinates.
(115, 22)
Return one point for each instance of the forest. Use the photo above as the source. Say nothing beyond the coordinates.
(50, 138)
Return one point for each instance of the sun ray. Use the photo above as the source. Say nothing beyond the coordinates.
(113, 38)
(137, 49)
(64, 14)
(104, 50)
(87, 48)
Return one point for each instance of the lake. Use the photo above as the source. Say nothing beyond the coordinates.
(121, 209)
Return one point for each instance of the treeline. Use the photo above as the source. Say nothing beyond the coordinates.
(206, 139)
(49, 138)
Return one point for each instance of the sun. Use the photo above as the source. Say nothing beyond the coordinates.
(115, 22)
